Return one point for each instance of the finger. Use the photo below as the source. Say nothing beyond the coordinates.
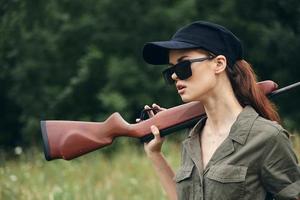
(156, 108)
(155, 132)
(150, 112)
(154, 105)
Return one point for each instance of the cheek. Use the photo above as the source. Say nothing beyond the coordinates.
(202, 81)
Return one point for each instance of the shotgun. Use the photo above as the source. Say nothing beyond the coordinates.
(71, 139)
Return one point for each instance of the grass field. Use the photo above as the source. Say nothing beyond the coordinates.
(126, 174)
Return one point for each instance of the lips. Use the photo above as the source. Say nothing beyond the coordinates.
(180, 87)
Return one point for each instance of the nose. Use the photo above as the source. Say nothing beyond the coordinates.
(174, 77)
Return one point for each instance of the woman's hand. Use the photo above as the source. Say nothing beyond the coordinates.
(150, 113)
(154, 146)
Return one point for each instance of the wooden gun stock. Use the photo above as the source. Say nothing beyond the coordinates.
(70, 139)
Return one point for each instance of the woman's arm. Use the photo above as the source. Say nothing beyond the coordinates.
(281, 172)
(161, 166)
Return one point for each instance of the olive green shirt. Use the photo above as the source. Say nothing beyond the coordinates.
(254, 162)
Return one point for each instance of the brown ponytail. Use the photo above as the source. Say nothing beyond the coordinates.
(243, 81)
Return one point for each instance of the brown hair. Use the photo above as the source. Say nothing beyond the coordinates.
(243, 81)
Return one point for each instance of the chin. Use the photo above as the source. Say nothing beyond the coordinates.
(186, 99)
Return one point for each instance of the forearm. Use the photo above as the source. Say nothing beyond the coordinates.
(165, 174)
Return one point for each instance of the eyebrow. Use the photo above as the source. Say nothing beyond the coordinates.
(179, 59)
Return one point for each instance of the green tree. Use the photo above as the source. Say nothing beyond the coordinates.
(81, 60)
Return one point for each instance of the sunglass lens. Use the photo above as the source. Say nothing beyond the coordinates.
(167, 74)
(183, 70)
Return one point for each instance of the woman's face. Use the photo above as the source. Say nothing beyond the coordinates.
(203, 78)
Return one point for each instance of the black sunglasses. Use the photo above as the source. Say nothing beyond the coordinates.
(182, 69)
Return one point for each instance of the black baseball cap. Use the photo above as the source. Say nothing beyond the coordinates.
(197, 35)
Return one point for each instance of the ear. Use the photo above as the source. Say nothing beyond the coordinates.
(221, 64)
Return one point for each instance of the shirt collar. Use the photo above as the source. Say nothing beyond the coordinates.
(239, 130)
(241, 127)
(198, 127)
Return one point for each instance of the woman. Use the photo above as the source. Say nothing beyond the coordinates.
(239, 150)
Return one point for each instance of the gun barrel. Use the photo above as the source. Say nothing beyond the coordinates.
(283, 90)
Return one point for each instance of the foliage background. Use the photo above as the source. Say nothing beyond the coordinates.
(81, 60)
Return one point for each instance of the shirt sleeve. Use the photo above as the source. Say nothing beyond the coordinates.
(280, 170)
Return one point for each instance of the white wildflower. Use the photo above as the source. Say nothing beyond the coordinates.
(13, 178)
(18, 150)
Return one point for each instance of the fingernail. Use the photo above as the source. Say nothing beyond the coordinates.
(153, 129)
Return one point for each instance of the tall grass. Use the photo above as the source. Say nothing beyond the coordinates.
(296, 144)
(125, 174)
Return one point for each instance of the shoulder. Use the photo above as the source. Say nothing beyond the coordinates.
(270, 129)
(266, 134)
(273, 139)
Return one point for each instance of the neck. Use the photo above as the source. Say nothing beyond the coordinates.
(222, 109)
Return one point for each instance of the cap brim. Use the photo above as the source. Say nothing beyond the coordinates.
(157, 53)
